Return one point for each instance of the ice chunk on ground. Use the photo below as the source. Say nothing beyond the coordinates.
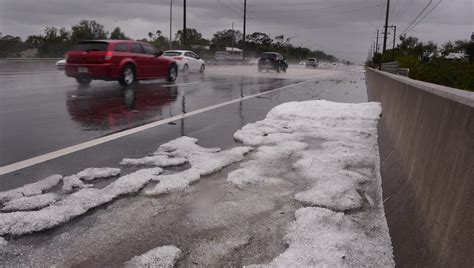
(75, 182)
(159, 160)
(244, 177)
(206, 160)
(73, 205)
(3, 246)
(90, 174)
(203, 161)
(31, 189)
(209, 252)
(268, 165)
(323, 238)
(173, 182)
(341, 139)
(72, 183)
(324, 119)
(338, 196)
(30, 202)
(161, 257)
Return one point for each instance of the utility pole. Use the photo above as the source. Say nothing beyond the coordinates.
(233, 36)
(386, 26)
(171, 24)
(394, 36)
(377, 43)
(245, 24)
(184, 24)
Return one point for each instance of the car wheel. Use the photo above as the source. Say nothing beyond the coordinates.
(128, 76)
(185, 68)
(284, 69)
(203, 68)
(278, 69)
(172, 73)
(83, 80)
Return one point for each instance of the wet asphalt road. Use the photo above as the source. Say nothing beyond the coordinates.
(41, 110)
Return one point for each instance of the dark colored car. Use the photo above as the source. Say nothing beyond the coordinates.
(121, 60)
(311, 62)
(272, 61)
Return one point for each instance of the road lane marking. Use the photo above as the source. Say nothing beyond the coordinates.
(88, 144)
(184, 84)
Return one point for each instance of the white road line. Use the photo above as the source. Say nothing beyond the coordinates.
(78, 147)
(184, 84)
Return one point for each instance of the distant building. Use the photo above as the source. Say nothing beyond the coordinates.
(230, 54)
(456, 56)
(29, 53)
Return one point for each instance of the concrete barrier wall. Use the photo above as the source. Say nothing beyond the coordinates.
(426, 141)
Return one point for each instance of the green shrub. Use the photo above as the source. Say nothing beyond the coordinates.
(452, 73)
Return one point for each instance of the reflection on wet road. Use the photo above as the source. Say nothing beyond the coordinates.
(41, 110)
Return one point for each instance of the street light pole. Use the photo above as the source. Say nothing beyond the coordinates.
(171, 24)
(245, 24)
(184, 24)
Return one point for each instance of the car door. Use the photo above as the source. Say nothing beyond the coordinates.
(191, 60)
(139, 56)
(155, 65)
(197, 61)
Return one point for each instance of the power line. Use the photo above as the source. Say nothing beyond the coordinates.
(416, 18)
(232, 4)
(229, 8)
(313, 15)
(310, 8)
(427, 13)
(403, 10)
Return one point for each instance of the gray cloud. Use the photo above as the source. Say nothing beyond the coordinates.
(344, 28)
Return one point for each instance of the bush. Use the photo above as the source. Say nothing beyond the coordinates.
(452, 73)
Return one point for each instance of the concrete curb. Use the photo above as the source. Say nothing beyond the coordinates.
(426, 149)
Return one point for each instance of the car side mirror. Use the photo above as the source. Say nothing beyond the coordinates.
(198, 57)
(159, 53)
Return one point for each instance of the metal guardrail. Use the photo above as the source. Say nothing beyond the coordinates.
(394, 68)
(29, 60)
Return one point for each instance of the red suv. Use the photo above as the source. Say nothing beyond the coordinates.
(123, 60)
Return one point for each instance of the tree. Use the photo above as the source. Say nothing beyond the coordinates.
(88, 30)
(10, 45)
(226, 38)
(193, 37)
(54, 43)
(118, 34)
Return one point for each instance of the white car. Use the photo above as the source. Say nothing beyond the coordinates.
(188, 61)
(60, 64)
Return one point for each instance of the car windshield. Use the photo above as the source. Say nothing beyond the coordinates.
(268, 56)
(172, 53)
(90, 46)
(311, 60)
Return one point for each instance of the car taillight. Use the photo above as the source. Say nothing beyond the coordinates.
(178, 58)
(108, 55)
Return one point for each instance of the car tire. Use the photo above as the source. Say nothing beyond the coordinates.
(172, 73)
(128, 75)
(185, 68)
(277, 69)
(203, 68)
(284, 69)
(83, 80)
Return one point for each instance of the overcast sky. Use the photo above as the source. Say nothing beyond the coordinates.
(344, 28)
